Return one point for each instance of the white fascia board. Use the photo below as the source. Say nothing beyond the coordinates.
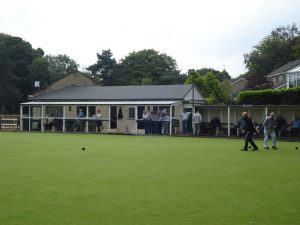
(294, 70)
(104, 103)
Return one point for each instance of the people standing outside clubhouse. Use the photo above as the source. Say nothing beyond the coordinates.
(78, 123)
(215, 125)
(281, 125)
(295, 126)
(99, 121)
(185, 118)
(165, 119)
(249, 131)
(146, 121)
(197, 119)
(269, 125)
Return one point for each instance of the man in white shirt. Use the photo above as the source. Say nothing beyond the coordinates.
(197, 119)
(185, 117)
(269, 130)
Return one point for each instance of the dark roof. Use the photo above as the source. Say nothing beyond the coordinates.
(112, 93)
(285, 67)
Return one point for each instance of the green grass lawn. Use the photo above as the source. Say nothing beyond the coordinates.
(46, 179)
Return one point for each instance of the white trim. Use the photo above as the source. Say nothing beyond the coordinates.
(292, 70)
(295, 69)
(274, 75)
(228, 121)
(104, 103)
(239, 80)
(170, 125)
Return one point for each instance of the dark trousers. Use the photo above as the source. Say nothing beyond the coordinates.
(249, 136)
(99, 125)
(147, 126)
(295, 132)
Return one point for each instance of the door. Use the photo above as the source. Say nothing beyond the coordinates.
(140, 116)
(113, 117)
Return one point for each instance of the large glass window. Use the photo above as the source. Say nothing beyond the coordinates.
(298, 79)
(56, 111)
(294, 80)
(92, 111)
(25, 111)
(35, 111)
(81, 108)
(131, 113)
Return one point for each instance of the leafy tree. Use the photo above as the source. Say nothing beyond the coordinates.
(149, 67)
(272, 52)
(15, 57)
(210, 87)
(38, 53)
(296, 47)
(220, 75)
(39, 71)
(103, 70)
(226, 89)
(257, 82)
(60, 66)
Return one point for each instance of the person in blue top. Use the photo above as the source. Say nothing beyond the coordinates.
(77, 125)
(295, 126)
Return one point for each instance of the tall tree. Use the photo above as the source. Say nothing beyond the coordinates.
(15, 57)
(60, 66)
(210, 87)
(103, 70)
(39, 71)
(220, 75)
(272, 52)
(296, 47)
(149, 67)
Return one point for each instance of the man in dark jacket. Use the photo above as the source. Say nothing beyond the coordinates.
(249, 130)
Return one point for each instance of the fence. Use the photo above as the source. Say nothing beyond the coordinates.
(9, 122)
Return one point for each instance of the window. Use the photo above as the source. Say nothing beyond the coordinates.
(92, 111)
(54, 110)
(298, 79)
(131, 113)
(25, 111)
(35, 111)
(173, 111)
(83, 108)
(292, 80)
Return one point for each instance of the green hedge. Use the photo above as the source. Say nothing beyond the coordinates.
(289, 96)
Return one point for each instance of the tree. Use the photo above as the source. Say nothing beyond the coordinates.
(149, 67)
(210, 87)
(257, 82)
(272, 52)
(60, 66)
(296, 47)
(15, 57)
(103, 70)
(220, 75)
(39, 71)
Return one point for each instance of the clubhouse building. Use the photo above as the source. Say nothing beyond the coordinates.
(121, 107)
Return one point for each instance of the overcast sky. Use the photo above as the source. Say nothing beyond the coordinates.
(212, 33)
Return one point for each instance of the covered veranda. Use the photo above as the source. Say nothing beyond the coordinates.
(125, 116)
(117, 116)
